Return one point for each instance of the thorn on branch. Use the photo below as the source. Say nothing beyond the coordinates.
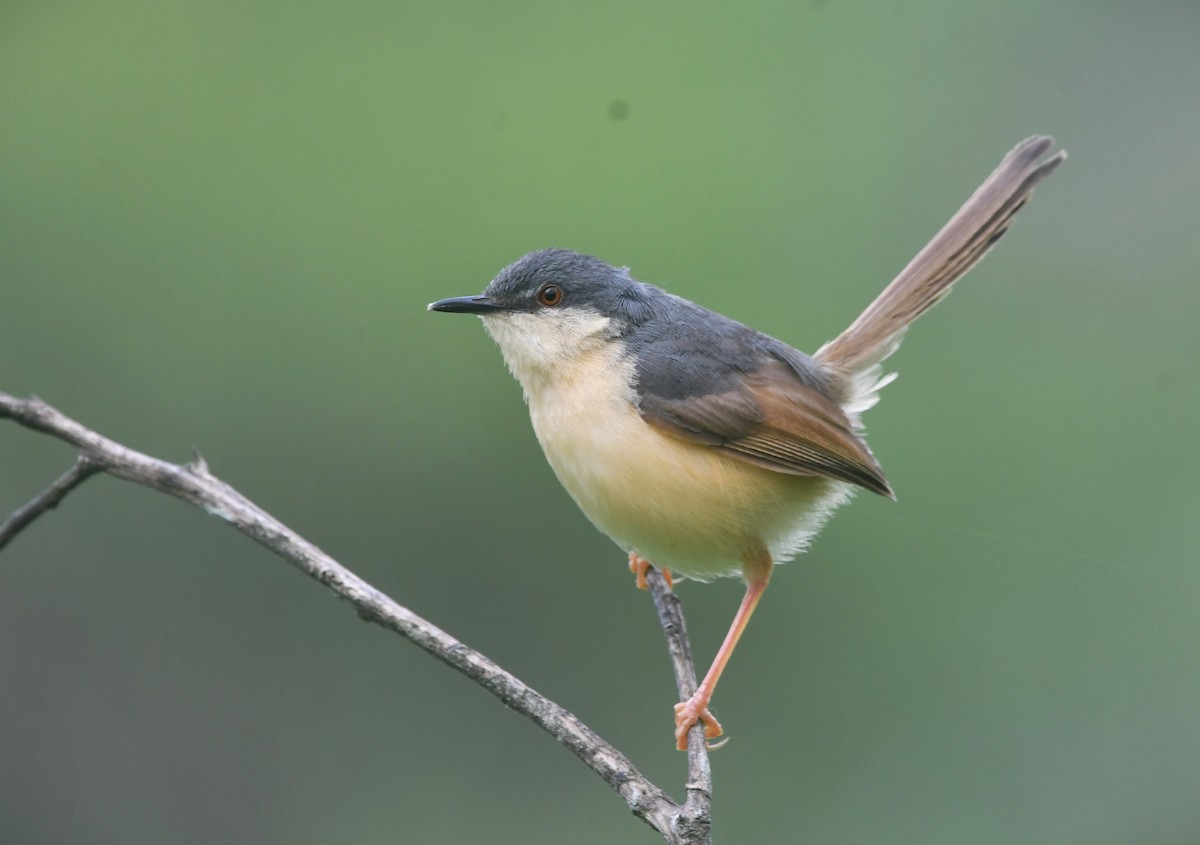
(197, 464)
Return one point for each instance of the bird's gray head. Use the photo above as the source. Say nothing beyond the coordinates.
(553, 307)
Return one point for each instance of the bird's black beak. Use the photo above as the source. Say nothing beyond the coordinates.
(466, 305)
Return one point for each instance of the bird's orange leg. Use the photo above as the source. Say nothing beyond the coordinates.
(639, 566)
(757, 570)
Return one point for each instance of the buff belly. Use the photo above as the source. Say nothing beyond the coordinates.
(693, 509)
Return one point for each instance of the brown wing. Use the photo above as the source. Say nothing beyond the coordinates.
(772, 419)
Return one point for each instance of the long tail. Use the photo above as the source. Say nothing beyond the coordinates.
(853, 359)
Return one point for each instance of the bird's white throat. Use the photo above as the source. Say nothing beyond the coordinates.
(541, 347)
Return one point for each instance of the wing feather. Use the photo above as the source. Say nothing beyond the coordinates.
(772, 418)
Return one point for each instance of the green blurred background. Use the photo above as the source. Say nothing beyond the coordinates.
(219, 226)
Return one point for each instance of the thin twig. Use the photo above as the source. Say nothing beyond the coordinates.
(194, 483)
(81, 471)
(695, 822)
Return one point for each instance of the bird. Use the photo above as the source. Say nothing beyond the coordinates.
(702, 446)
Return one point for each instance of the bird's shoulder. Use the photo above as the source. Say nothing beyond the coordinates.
(685, 351)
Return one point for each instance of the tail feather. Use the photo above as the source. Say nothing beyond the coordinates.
(853, 359)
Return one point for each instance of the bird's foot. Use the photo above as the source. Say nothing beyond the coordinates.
(639, 566)
(688, 713)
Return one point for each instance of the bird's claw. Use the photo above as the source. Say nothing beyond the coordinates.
(688, 713)
(639, 566)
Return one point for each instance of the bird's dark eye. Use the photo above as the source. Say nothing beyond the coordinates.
(550, 295)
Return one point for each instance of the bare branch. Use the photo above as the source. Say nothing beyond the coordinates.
(695, 822)
(48, 499)
(194, 484)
